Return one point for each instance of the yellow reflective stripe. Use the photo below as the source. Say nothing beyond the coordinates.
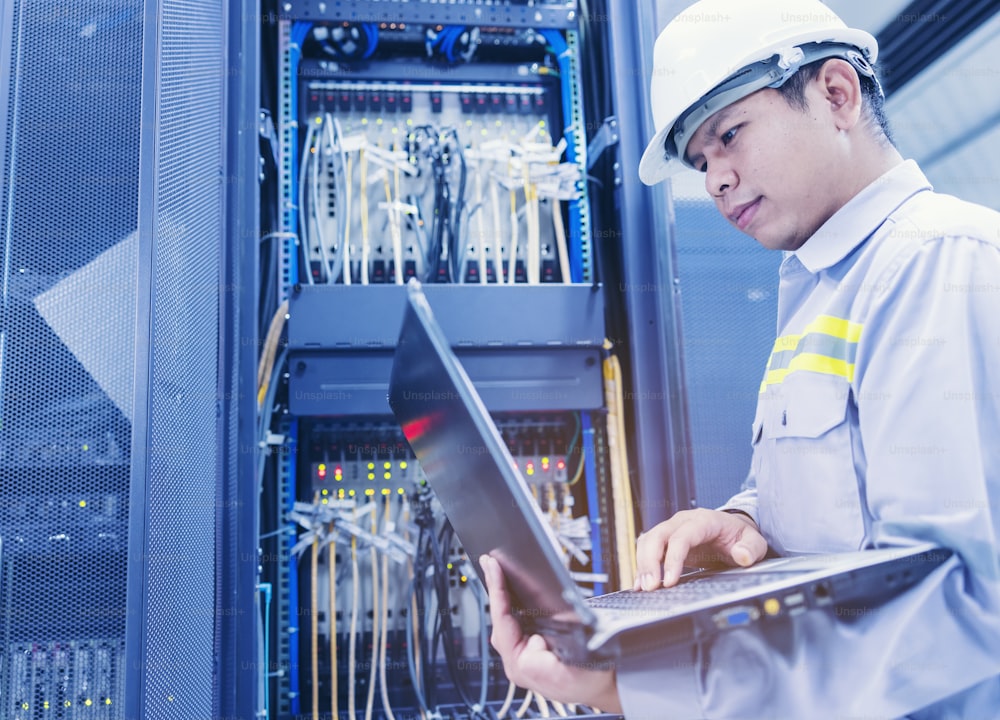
(838, 327)
(823, 325)
(786, 342)
(822, 364)
(813, 363)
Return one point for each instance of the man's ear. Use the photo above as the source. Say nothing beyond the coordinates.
(840, 89)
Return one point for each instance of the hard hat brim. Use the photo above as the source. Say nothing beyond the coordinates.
(657, 165)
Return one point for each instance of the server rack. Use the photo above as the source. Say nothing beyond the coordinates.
(383, 112)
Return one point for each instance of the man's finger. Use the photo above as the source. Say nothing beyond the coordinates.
(750, 548)
(649, 552)
(689, 535)
(507, 634)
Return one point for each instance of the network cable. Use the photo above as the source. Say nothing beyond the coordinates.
(307, 150)
(372, 675)
(336, 140)
(498, 252)
(561, 247)
(332, 615)
(317, 160)
(365, 245)
(561, 51)
(352, 641)
(386, 706)
(393, 215)
(299, 33)
(314, 624)
(349, 186)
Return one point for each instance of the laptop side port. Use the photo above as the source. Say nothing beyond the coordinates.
(736, 616)
(823, 593)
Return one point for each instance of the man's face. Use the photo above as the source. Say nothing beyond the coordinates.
(768, 166)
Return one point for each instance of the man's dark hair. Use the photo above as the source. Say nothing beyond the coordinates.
(873, 104)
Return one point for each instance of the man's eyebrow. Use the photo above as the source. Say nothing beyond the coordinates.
(713, 127)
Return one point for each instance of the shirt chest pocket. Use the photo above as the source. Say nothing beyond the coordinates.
(807, 476)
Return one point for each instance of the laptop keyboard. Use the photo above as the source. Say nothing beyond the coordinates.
(694, 590)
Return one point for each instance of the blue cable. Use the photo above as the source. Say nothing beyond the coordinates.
(561, 50)
(593, 502)
(451, 33)
(371, 34)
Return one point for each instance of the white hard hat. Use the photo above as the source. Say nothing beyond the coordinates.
(717, 52)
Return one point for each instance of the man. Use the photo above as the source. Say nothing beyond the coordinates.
(877, 422)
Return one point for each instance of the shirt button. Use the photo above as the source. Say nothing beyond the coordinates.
(784, 417)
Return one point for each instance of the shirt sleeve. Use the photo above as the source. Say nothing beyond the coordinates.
(746, 500)
(927, 384)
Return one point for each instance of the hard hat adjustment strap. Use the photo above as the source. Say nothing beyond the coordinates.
(773, 72)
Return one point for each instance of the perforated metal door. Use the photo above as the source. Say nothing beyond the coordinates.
(111, 417)
(184, 206)
(70, 106)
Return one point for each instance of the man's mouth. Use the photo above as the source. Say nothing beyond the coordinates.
(741, 215)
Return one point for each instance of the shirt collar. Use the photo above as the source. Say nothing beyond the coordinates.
(860, 217)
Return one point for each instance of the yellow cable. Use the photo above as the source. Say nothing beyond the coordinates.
(507, 701)
(373, 674)
(352, 641)
(628, 505)
(633, 534)
(543, 705)
(528, 697)
(414, 618)
(269, 351)
(620, 490)
(332, 561)
(349, 182)
(531, 208)
(385, 620)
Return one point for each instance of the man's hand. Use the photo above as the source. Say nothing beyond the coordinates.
(530, 664)
(700, 536)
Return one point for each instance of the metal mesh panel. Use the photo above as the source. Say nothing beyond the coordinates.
(71, 94)
(729, 308)
(184, 425)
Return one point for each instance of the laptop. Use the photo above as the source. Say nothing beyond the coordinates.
(491, 509)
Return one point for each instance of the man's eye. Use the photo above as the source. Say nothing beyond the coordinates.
(727, 137)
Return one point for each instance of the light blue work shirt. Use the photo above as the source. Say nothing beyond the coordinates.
(877, 425)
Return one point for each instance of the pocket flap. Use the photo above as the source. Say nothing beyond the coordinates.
(810, 414)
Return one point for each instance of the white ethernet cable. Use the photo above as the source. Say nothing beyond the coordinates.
(349, 184)
(497, 245)
(482, 230)
(561, 248)
(303, 220)
(317, 160)
(365, 245)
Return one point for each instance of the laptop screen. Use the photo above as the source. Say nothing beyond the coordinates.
(471, 471)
